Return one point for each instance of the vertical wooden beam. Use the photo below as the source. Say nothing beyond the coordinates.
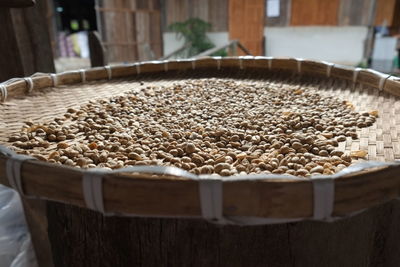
(10, 58)
(97, 51)
(314, 12)
(25, 47)
(30, 25)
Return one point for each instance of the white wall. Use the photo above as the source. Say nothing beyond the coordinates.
(342, 45)
(171, 42)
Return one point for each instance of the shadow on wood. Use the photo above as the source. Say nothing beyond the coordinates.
(97, 50)
(81, 237)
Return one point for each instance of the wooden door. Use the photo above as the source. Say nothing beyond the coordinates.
(246, 24)
(130, 29)
(314, 12)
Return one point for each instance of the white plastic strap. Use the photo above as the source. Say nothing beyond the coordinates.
(54, 78)
(382, 82)
(29, 82)
(165, 65)
(324, 197)
(3, 91)
(13, 168)
(109, 72)
(211, 198)
(269, 60)
(382, 78)
(218, 59)
(92, 183)
(83, 75)
(299, 61)
(240, 63)
(193, 64)
(13, 171)
(329, 69)
(137, 68)
(355, 74)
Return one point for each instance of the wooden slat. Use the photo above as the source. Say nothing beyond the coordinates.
(10, 59)
(97, 51)
(314, 12)
(25, 46)
(387, 11)
(17, 3)
(246, 24)
(354, 12)
(176, 10)
(155, 34)
(218, 12)
(128, 27)
(142, 34)
(199, 9)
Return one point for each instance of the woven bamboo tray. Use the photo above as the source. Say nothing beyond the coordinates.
(43, 97)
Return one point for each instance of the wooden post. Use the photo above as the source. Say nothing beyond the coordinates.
(97, 50)
(25, 49)
(25, 46)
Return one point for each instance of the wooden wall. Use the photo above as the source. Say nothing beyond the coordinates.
(388, 11)
(212, 11)
(314, 12)
(130, 29)
(292, 12)
(337, 12)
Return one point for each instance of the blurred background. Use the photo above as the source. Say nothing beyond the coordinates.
(84, 33)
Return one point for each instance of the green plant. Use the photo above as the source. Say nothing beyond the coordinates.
(193, 31)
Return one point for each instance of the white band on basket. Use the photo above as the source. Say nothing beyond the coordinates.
(137, 68)
(54, 78)
(329, 67)
(109, 72)
(165, 65)
(3, 92)
(299, 61)
(83, 75)
(211, 198)
(355, 74)
(29, 82)
(382, 82)
(240, 63)
(269, 60)
(218, 59)
(13, 168)
(92, 183)
(193, 64)
(324, 197)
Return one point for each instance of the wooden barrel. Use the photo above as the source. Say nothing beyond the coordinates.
(161, 216)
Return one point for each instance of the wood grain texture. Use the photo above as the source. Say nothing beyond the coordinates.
(246, 24)
(36, 218)
(34, 45)
(354, 12)
(130, 29)
(314, 12)
(10, 58)
(97, 51)
(218, 12)
(387, 12)
(81, 237)
(17, 3)
(213, 12)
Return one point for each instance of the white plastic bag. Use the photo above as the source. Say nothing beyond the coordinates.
(15, 243)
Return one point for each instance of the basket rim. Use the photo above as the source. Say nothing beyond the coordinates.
(268, 196)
